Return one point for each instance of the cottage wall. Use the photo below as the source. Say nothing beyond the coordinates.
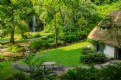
(109, 51)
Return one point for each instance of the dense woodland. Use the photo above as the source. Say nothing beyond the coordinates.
(64, 18)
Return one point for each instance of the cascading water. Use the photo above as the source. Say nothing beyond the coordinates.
(34, 23)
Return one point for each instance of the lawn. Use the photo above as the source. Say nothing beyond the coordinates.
(67, 56)
(6, 70)
(4, 40)
(18, 37)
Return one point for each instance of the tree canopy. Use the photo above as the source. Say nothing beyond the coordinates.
(67, 19)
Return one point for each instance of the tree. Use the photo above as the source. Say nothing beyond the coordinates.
(15, 15)
(64, 17)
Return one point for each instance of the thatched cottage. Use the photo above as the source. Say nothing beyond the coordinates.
(107, 35)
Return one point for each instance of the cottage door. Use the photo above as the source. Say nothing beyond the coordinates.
(119, 53)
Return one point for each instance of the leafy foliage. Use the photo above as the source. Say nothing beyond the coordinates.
(87, 50)
(36, 35)
(32, 70)
(15, 48)
(99, 2)
(80, 74)
(44, 44)
(14, 15)
(93, 58)
(67, 20)
(109, 72)
(39, 44)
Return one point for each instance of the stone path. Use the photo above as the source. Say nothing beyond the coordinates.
(111, 62)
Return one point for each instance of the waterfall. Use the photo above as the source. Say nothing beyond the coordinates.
(33, 23)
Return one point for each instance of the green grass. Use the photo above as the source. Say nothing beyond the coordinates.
(6, 70)
(19, 39)
(4, 40)
(41, 33)
(67, 56)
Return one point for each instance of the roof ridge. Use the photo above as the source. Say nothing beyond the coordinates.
(116, 18)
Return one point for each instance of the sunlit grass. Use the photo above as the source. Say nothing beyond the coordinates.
(4, 40)
(67, 56)
(42, 33)
(19, 38)
(75, 46)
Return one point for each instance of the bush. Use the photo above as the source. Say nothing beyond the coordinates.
(39, 44)
(80, 74)
(60, 42)
(15, 48)
(27, 36)
(87, 50)
(18, 76)
(109, 72)
(44, 44)
(50, 40)
(32, 69)
(71, 37)
(36, 35)
(93, 58)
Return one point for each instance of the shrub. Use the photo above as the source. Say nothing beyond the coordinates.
(60, 42)
(111, 58)
(93, 58)
(36, 35)
(87, 50)
(44, 44)
(70, 37)
(15, 48)
(32, 69)
(50, 40)
(80, 74)
(109, 72)
(18, 76)
(39, 44)
(27, 36)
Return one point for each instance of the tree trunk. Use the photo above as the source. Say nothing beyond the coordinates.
(12, 28)
(55, 29)
(12, 35)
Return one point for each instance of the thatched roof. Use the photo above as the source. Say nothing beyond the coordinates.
(108, 37)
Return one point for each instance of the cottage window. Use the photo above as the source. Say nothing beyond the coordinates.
(103, 28)
(100, 47)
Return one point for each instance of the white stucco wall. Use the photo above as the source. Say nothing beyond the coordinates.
(109, 51)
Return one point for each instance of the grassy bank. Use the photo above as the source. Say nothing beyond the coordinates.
(67, 56)
(6, 70)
